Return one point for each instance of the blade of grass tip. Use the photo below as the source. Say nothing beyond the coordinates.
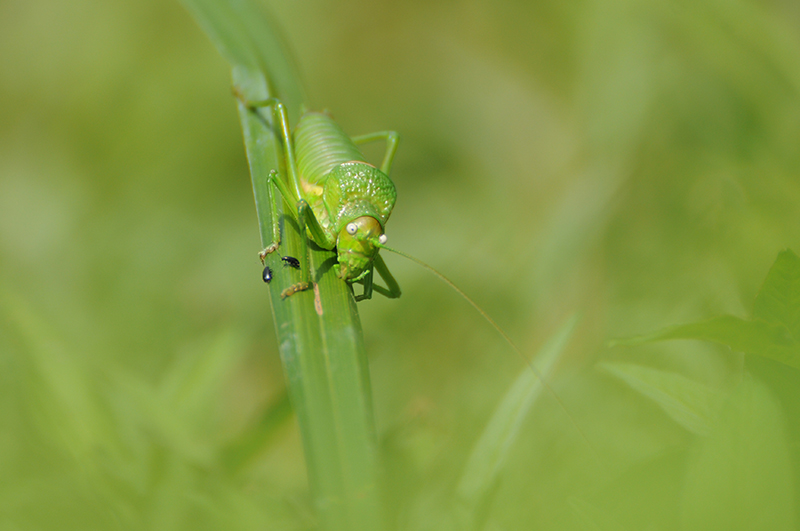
(485, 464)
(319, 333)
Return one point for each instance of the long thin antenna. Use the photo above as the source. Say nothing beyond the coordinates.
(500, 331)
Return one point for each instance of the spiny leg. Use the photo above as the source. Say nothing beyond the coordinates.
(303, 210)
(392, 139)
(273, 179)
(310, 222)
(289, 195)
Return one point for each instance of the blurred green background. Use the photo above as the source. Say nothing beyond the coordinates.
(634, 162)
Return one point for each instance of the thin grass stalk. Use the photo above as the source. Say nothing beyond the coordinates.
(319, 332)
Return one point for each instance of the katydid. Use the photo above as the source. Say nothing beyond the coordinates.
(343, 203)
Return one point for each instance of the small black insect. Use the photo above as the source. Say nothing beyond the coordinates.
(267, 275)
(291, 261)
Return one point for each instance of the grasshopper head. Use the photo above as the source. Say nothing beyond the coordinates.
(356, 247)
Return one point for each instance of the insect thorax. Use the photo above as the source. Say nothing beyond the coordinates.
(356, 189)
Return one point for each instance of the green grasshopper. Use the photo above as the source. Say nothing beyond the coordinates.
(342, 202)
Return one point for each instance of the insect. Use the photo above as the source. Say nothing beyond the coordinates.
(291, 261)
(341, 201)
(267, 274)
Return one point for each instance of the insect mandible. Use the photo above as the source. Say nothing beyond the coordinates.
(341, 201)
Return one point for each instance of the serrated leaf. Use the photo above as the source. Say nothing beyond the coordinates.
(757, 337)
(778, 302)
(691, 404)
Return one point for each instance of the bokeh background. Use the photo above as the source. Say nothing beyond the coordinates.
(634, 163)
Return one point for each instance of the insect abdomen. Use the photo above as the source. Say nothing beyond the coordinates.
(321, 145)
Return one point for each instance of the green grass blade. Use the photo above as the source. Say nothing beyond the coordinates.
(244, 36)
(481, 473)
(319, 332)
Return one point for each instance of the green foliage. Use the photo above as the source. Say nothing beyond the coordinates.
(691, 404)
(632, 162)
(741, 476)
(487, 460)
(771, 333)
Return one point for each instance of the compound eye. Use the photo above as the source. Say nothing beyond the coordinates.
(351, 228)
(383, 239)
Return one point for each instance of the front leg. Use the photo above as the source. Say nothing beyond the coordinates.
(392, 289)
(308, 224)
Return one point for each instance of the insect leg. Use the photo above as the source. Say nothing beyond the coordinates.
(275, 179)
(279, 110)
(291, 197)
(303, 209)
(392, 139)
(288, 147)
(368, 286)
(392, 289)
(307, 222)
